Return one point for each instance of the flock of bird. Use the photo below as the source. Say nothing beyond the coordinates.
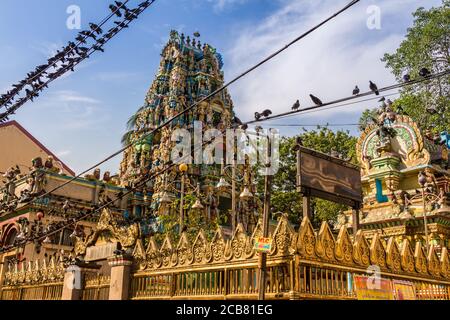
(424, 72)
(67, 58)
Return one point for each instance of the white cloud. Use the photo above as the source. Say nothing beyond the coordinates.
(113, 76)
(220, 5)
(63, 153)
(48, 49)
(72, 96)
(327, 63)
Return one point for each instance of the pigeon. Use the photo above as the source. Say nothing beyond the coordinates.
(237, 120)
(98, 48)
(144, 4)
(356, 91)
(266, 113)
(296, 105)
(374, 88)
(115, 10)
(122, 24)
(407, 78)
(257, 116)
(89, 34)
(196, 34)
(424, 72)
(95, 28)
(316, 100)
(121, 5)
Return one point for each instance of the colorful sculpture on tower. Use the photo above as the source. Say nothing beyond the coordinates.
(188, 72)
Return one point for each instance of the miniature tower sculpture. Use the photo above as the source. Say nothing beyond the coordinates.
(406, 181)
(187, 73)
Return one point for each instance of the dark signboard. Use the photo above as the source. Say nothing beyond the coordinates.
(323, 176)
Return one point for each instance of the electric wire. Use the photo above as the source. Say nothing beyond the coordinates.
(220, 89)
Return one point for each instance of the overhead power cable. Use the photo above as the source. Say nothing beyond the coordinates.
(135, 187)
(338, 101)
(73, 54)
(195, 104)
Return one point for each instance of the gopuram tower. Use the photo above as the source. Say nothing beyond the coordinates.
(188, 72)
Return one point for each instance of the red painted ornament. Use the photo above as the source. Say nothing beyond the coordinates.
(40, 215)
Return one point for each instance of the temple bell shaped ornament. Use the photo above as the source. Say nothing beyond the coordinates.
(165, 199)
(245, 194)
(197, 205)
(222, 185)
(183, 167)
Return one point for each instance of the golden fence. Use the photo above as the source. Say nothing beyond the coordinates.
(95, 287)
(235, 283)
(301, 265)
(38, 280)
(50, 291)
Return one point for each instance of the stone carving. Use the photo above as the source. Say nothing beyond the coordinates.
(125, 235)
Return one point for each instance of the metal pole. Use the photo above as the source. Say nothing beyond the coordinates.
(355, 218)
(233, 194)
(182, 204)
(425, 218)
(263, 256)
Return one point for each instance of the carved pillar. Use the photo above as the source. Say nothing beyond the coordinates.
(120, 277)
(293, 292)
(355, 220)
(74, 279)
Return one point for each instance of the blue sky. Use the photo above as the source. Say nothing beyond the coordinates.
(82, 117)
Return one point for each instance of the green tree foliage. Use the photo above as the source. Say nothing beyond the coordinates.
(284, 197)
(426, 45)
(195, 220)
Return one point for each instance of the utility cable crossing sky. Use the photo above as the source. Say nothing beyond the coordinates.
(168, 121)
(68, 58)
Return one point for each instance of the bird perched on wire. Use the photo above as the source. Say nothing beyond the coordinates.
(122, 24)
(296, 105)
(424, 72)
(115, 10)
(95, 28)
(316, 100)
(237, 121)
(374, 88)
(406, 78)
(266, 113)
(355, 91)
(98, 48)
(121, 5)
(88, 34)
